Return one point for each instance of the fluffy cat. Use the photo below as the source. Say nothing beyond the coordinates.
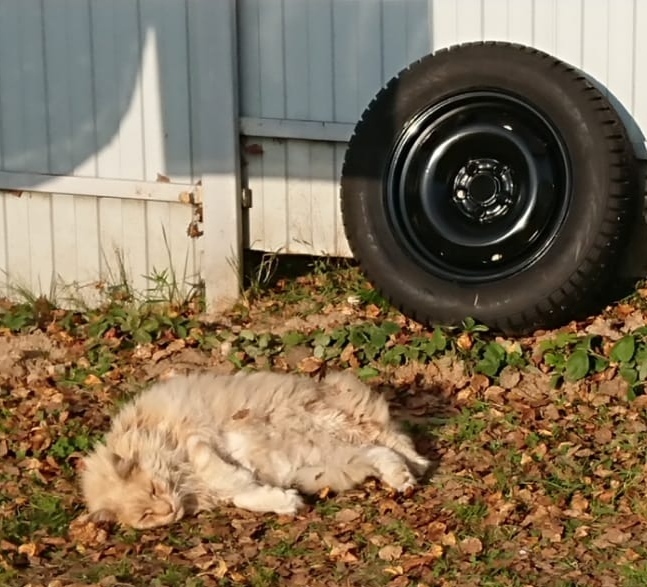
(251, 439)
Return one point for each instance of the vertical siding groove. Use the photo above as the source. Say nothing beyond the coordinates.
(634, 55)
(93, 85)
(381, 29)
(4, 246)
(143, 40)
(284, 60)
(333, 54)
(48, 113)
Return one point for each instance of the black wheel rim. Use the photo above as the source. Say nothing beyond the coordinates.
(478, 186)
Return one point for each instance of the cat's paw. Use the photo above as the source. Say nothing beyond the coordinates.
(402, 480)
(289, 503)
(420, 465)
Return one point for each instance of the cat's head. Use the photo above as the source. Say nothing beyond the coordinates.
(124, 490)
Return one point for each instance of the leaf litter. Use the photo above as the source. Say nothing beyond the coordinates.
(532, 484)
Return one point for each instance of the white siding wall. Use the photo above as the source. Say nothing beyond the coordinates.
(324, 60)
(101, 101)
(95, 89)
(294, 186)
(116, 99)
(63, 243)
(314, 61)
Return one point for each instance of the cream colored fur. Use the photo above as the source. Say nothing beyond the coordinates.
(252, 439)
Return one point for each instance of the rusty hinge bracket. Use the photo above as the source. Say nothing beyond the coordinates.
(194, 199)
(246, 197)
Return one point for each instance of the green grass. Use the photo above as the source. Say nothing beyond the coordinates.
(471, 515)
(44, 512)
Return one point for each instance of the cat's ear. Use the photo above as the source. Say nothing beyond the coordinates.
(102, 515)
(124, 467)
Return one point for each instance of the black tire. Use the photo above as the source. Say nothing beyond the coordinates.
(494, 181)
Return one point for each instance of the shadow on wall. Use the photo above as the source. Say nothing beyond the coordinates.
(118, 89)
(105, 89)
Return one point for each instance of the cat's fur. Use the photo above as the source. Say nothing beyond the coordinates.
(252, 439)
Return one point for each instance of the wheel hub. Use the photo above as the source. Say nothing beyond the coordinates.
(483, 190)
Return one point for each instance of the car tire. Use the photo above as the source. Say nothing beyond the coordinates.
(494, 181)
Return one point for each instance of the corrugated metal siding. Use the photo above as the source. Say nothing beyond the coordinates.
(324, 60)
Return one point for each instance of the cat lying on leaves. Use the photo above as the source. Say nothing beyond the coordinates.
(251, 439)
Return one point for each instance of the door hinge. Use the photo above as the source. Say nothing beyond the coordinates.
(246, 198)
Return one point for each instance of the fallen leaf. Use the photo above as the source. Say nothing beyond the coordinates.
(87, 533)
(164, 550)
(435, 530)
(310, 365)
(471, 545)
(436, 550)
(324, 493)
(509, 377)
(390, 552)
(29, 548)
(611, 537)
(220, 571)
(346, 516)
(373, 311)
(480, 382)
(449, 539)
(631, 555)
(343, 552)
(91, 380)
(578, 507)
(347, 353)
(464, 342)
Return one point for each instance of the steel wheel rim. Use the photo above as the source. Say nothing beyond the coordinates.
(478, 186)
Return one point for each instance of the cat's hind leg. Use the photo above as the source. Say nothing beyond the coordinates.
(266, 498)
(402, 444)
(335, 474)
(391, 467)
(227, 481)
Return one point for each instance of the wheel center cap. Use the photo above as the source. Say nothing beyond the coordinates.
(483, 189)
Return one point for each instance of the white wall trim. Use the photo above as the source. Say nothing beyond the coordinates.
(156, 191)
(336, 132)
(215, 108)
